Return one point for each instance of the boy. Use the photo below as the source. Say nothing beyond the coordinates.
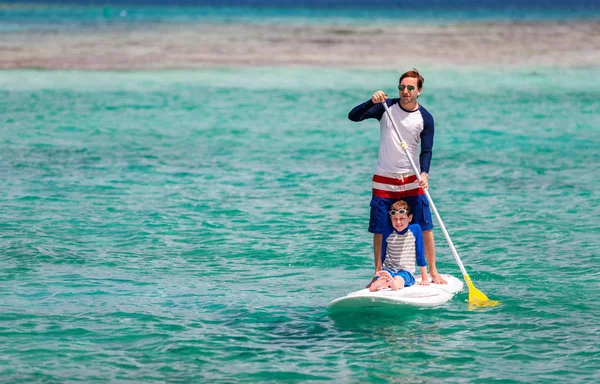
(402, 246)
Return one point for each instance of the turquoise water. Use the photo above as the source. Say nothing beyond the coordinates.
(84, 14)
(191, 226)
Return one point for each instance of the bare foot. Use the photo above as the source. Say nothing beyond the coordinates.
(371, 282)
(383, 281)
(437, 279)
(384, 275)
(397, 283)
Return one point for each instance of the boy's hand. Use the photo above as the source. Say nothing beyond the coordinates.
(424, 280)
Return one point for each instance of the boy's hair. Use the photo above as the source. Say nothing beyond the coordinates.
(401, 204)
(413, 73)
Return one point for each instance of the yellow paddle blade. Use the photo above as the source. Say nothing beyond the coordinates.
(478, 298)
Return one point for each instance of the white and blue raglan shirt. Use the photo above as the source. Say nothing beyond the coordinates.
(402, 250)
(417, 130)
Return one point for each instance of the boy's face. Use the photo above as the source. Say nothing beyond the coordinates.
(400, 219)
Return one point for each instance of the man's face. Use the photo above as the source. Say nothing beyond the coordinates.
(408, 90)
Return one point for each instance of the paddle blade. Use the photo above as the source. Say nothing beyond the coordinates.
(478, 298)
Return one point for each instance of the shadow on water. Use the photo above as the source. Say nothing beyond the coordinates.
(375, 317)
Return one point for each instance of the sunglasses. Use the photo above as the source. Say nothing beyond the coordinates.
(399, 211)
(410, 87)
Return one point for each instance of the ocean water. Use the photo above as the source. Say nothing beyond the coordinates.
(74, 15)
(191, 226)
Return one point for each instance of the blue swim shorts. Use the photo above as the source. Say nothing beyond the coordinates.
(380, 218)
(408, 277)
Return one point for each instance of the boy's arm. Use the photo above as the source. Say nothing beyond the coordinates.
(419, 245)
(424, 277)
(420, 250)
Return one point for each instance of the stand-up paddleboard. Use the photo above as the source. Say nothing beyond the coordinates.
(417, 295)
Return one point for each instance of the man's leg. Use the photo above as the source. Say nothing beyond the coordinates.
(377, 242)
(379, 222)
(429, 245)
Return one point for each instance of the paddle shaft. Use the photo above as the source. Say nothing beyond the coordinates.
(431, 204)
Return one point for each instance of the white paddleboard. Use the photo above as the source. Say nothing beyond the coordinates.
(417, 295)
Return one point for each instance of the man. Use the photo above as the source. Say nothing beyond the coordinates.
(395, 178)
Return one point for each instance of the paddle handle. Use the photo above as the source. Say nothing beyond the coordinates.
(431, 204)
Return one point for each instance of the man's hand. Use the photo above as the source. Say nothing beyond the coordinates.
(424, 183)
(378, 97)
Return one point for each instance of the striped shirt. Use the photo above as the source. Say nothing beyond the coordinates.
(404, 250)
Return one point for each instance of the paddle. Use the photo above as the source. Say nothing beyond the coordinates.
(476, 297)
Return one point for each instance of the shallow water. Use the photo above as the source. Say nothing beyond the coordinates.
(193, 225)
(25, 15)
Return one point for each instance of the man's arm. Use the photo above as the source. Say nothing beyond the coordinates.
(366, 110)
(426, 142)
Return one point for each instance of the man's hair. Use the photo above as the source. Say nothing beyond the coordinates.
(401, 204)
(413, 73)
